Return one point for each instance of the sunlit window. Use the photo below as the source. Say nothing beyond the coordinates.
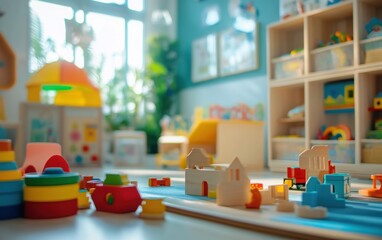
(136, 5)
(120, 2)
(135, 44)
(48, 33)
(107, 49)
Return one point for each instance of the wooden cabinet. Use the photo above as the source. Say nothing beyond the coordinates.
(301, 70)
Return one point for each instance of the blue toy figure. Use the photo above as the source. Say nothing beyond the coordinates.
(3, 133)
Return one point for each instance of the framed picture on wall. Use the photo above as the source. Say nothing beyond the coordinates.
(204, 58)
(238, 51)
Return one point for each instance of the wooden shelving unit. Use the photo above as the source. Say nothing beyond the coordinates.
(306, 75)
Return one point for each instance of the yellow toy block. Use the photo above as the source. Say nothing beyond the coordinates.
(51, 193)
(10, 175)
(152, 208)
(7, 156)
(83, 200)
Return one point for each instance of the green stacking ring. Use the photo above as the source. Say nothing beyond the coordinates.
(51, 177)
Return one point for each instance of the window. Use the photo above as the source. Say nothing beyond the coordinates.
(103, 36)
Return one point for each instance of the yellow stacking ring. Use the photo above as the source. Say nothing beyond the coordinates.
(7, 156)
(10, 175)
(51, 193)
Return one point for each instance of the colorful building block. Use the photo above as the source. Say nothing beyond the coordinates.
(40, 156)
(374, 191)
(116, 198)
(11, 183)
(324, 197)
(340, 182)
(152, 208)
(51, 194)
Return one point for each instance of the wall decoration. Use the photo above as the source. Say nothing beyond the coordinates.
(238, 51)
(204, 58)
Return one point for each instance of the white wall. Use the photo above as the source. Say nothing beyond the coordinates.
(250, 91)
(14, 25)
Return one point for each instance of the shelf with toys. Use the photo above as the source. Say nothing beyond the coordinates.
(341, 80)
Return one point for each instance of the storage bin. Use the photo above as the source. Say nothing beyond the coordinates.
(287, 149)
(373, 50)
(289, 66)
(333, 57)
(372, 153)
(339, 151)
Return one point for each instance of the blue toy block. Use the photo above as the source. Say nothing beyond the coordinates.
(11, 199)
(309, 198)
(327, 198)
(6, 166)
(3, 133)
(11, 186)
(10, 212)
(312, 184)
(340, 182)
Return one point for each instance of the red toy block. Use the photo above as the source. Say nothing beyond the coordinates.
(255, 199)
(153, 182)
(46, 210)
(5, 145)
(43, 155)
(116, 199)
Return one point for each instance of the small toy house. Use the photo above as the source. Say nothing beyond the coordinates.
(230, 182)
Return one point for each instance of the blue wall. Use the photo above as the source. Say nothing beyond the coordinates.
(190, 27)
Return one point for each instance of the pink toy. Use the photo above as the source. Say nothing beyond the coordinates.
(43, 155)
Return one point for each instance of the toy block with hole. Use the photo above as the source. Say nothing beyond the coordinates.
(375, 191)
(40, 156)
(51, 194)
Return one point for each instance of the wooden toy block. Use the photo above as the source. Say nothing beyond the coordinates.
(83, 199)
(311, 212)
(230, 182)
(285, 206)
(47, 210)
(273, 193)
(40, 156)
(255, 201)
(233, 188)
(374, 191)
(116, 199)
(340, 182)
(323, 196)
(153, 182)
(152, 208)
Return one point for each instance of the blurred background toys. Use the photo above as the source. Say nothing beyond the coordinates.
(63, 107)
(373, 44)
(339, 132)
(339, 96)
(376, 111)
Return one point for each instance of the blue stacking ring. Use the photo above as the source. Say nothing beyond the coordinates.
(11, 212)
(6, 166)
(10, 199)
(11, 186)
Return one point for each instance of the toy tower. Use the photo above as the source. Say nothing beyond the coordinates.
(11, 183)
